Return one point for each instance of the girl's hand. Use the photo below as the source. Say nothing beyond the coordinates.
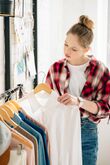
(68, 99)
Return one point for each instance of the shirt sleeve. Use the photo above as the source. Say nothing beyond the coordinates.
(49, 79)
(103, 96)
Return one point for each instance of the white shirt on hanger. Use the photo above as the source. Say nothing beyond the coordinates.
(63, 125)
(18, 159)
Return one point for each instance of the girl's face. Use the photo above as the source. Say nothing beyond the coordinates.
(73, 51)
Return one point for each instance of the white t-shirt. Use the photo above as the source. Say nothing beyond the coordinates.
(63, 125)
(77, 78)
(18, 159)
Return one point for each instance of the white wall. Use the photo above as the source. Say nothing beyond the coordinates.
(108, 40)
(102, 18)
(50, 26)
(104, 143)
(54, 19)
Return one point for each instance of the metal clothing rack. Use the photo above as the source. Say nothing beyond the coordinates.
(7, 94)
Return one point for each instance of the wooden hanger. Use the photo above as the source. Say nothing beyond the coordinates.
(44, 87)
(7, 118)
(12, 105)
(16, 106)
(1, 118)
(21, 139)
(16, 135)
(8, 110)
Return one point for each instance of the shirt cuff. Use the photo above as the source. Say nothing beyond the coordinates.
(98, 109)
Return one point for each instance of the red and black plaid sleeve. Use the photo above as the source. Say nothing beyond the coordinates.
(103, 95)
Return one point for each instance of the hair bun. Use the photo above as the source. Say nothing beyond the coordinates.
(84, 20)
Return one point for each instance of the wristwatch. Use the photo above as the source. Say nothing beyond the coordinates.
(81, 101)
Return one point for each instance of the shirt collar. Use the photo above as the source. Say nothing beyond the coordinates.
(92, 60)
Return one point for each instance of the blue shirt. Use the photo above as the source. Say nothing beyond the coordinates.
(36, 134)
(40, 130)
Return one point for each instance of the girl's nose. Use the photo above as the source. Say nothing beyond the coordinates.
(68, 51)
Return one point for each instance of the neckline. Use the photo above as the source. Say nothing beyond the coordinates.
(49, 98)
(78, 66)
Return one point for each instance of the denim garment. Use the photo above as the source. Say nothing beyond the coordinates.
(41, 152)
(89, 137)
(40, 130)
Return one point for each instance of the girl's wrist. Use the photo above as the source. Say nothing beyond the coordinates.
(80, 101)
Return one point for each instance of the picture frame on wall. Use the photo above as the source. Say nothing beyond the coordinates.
(12, 8)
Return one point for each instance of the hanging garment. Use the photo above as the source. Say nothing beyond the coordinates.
(18, 159)
(40, 130)
(63, 125)
(5, 138)
(41, 153)
(34, 141)
(19, 147)
(35, 122)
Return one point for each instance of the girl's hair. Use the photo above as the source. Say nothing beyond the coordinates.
(83, 29)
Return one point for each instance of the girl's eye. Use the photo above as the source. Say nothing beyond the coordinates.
(65, 44)
(74, 50)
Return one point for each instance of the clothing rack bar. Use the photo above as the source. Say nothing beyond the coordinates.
(11, 91)
(35, 35)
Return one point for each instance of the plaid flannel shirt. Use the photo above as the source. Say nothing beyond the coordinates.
(96, 88)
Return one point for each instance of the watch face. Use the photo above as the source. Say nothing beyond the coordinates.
(81, 99)
(6, 8)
